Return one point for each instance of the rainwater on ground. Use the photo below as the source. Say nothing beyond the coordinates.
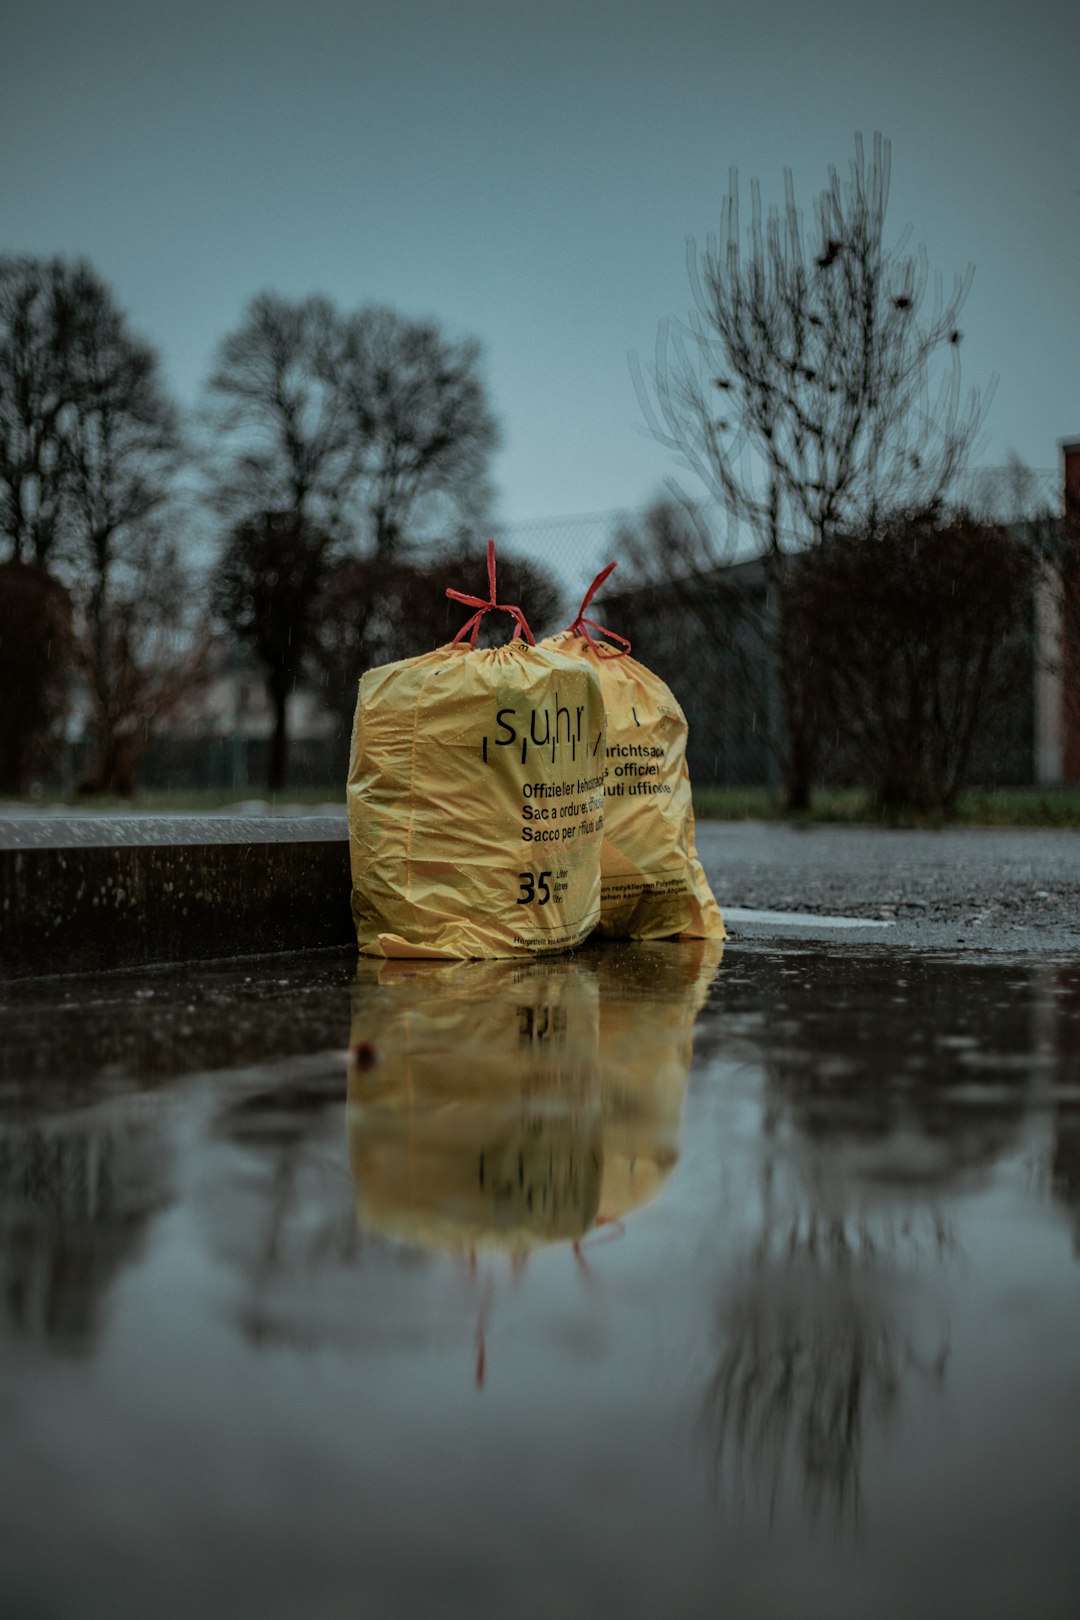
(633, 1283)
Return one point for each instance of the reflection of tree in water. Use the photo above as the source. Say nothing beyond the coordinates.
(514, 1104)
(76, 1197)
(814, 1351)
(425, 1145)
(503, 1107)
(1065, 1167)
(285, 1220)
(909, 1079)
(477, 1118)
(919, 1070)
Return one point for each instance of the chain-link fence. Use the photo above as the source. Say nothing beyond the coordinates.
(573, 549)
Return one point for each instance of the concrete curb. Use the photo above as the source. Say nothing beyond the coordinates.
(85, 894)
(89, 894)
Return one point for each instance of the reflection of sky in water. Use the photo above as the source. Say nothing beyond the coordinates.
(830, 1351)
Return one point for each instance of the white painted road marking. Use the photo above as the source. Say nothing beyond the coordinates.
(799, 919)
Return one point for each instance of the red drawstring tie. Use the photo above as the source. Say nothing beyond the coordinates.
(582, 626)
(482, 607)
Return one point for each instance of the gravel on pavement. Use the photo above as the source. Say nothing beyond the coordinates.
(1013, 889)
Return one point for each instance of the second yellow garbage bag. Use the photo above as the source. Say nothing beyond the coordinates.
(652, 883)
(650, 995)
(476, 799)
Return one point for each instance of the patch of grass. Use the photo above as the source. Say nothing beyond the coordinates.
(756, 804)
(1021, 807)
(980, 807)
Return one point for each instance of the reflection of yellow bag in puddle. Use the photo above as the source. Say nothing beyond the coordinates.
(652, 883)
(650, 995)
(474, 1102)
(475, 798)
(514, 1104)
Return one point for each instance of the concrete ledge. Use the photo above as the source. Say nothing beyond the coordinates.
(92, 894)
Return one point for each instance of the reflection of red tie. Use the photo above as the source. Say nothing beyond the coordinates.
(481, 1330)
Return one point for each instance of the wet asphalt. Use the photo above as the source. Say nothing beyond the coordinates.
(966, 891)
(679, 1284)
(971, 890)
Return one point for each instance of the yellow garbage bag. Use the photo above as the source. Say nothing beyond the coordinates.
(473, 1115)
(475, 797)
(652, 883)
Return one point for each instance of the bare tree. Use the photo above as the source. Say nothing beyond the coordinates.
(330, 426)
(328, 416)
(372, 611)
(921, 630)
(35, 660)
(265, 587)
(282, 442)
(123, 451)
(815, 388)
(89, 448)
(44, 304)
(421, 426)
(150, 658)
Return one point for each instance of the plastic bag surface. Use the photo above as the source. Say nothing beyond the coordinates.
(474, 1104)
(650, 996)
(510, 1105)
(475, 798)
(652, 883)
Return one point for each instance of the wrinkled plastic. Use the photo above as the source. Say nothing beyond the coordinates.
(474, 1111)
(650, 996)
(475, 798)
(510, 1105)
(652, 882)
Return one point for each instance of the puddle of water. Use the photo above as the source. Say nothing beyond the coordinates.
(800, 919)
(632, 1283)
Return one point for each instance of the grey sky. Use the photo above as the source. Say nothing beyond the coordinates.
(528, 174)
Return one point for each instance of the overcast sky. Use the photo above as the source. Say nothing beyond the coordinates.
(528, 174)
